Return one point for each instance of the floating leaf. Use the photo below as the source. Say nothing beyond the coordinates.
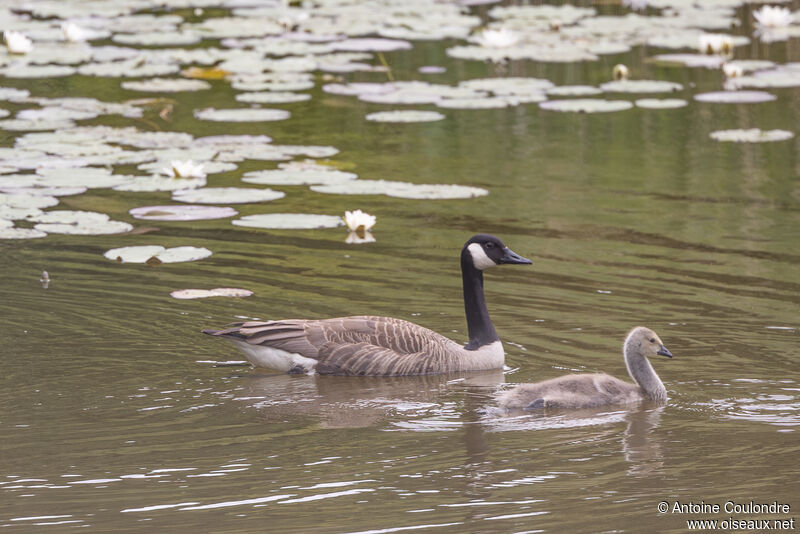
(735, 97)
(199, 73)
(574, 90)
(405, 116)
(661, 103)
(226, 195)
(145, 253)
(182, 213)
(242, 115)
(289, 221)
(372, 45)
(298, 177)
(477, 103)
(273, 97)
(78, 223)
(586, 105)
(401, 189)
(640, 86)
(21, 233)
(166, 85)
(206, 293)
(752, 135)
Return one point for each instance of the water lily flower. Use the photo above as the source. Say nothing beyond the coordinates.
(353, 238)
(74, 33)
(184, 169)
(502, 38)
(773, 17)
(17, 43)
(620, 72)
(715, 43)
(732, 70)
(358, 221)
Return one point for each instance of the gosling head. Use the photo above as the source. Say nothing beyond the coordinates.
(645, 342)
(483, 251)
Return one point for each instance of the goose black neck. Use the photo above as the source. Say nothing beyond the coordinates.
(480, 327)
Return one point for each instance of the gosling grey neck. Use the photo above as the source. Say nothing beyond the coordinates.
(479, 325)
(642, 371)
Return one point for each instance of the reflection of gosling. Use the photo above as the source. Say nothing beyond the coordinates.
(593, 390)
(620, 72)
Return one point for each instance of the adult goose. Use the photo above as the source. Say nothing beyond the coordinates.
(595, 390)
(383, 346)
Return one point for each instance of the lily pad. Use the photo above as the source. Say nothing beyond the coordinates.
(586, 105)
(752, 135)
(155, 254)
(166, 85)
(235, 292)
(298, 177)
(574, 90)
(160, 183)
(182, 213)
(78, 223)
(401, 189)
(405, 116)
(508, 86)
(641, 86)
(273, 97)
(242, 115)
(661, 103)
(477, 103)
(289, 221)
(372, 45)
(21, 233)
(690, 60)
(735, 97)
(20, 200)
(226, 195)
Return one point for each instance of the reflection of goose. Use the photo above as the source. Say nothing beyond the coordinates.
(365, 345)
(591, 390)
(338, 402)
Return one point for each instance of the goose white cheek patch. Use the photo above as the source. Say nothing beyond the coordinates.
(479, 257)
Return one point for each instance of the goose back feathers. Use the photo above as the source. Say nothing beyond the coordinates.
(371, 345)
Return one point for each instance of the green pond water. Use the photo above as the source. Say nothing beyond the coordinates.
(113, 419)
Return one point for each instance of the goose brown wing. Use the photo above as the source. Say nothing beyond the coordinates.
(358, 345)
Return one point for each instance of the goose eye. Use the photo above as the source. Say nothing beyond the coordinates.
(490, 245)
(652, 340)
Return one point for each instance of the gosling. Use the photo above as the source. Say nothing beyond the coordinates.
(596, 390)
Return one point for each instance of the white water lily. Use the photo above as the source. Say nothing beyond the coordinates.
(502, 38)
(620, 72)
(773, 17)
(74, 33)
(353, 238)
(184, 169)
(17, 43)
(358, 221)
(732, 70)
(715, 43)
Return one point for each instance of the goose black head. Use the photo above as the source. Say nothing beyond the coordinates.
(484, 251)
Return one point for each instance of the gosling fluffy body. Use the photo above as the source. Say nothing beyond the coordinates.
(596, 390)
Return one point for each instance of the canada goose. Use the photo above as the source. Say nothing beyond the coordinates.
(367, 345)
(593, 390)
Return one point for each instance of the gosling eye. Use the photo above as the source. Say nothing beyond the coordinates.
(652, 340)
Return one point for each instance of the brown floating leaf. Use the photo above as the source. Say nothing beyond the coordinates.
(199, 73)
